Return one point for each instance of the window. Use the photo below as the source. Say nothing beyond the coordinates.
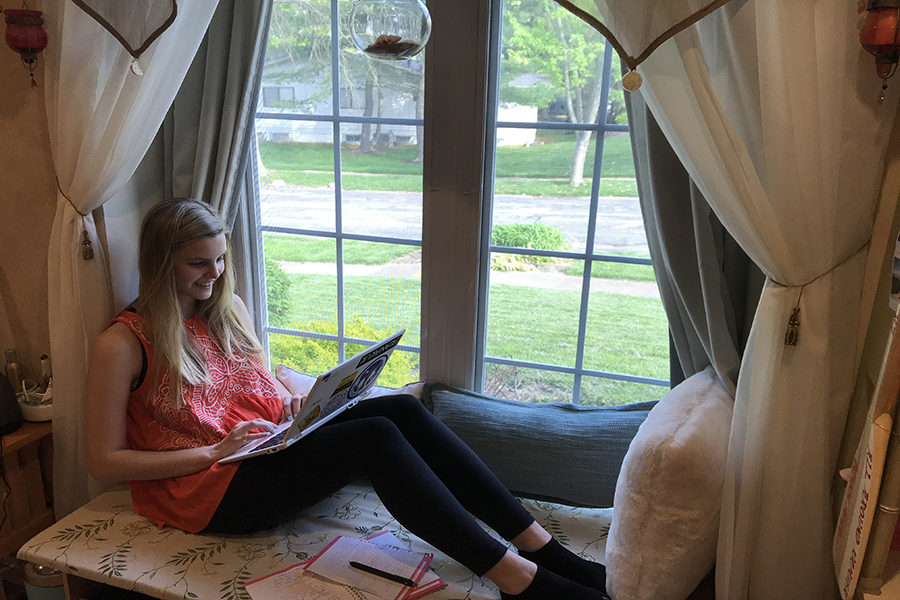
(570, 308)
(340, 195)
(567, 303)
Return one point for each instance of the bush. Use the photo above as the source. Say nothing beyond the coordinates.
(535, 236)
(278, 287)
(313, 356)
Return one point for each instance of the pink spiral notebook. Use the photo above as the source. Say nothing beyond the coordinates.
(328, 575)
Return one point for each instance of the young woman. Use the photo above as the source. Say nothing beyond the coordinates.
(178, 382)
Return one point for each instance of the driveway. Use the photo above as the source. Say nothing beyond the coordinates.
(397, 214)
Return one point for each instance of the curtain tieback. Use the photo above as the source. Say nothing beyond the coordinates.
(792, 333)
(87, 248)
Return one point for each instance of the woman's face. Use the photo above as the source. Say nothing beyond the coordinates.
(197, 266)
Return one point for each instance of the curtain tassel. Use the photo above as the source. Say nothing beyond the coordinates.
(792, 335)
(793, 329)
(87, 249)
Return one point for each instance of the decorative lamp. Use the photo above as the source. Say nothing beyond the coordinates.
(879, 36)
(390, 29)
(25, 34)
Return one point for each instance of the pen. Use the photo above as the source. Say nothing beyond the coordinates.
(392, 577)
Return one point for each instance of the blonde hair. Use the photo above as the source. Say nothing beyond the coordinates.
(167, 227)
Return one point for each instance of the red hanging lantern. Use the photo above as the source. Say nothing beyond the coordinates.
(880, 36)
(25, 34)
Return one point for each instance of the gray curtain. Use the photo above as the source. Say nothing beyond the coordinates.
(209, 133)
(709, 287)
(209, 136)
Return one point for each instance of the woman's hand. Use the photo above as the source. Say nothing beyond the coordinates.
(291, 406)
(242, 433)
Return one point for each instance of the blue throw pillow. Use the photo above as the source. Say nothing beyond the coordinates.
(559, 452)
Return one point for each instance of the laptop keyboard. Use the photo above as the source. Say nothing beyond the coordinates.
(273, 441)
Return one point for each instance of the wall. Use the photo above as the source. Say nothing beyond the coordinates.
(27, 206)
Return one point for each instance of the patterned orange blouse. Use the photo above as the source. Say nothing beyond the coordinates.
(239, 389)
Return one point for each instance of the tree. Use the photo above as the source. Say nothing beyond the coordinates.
(540, 36)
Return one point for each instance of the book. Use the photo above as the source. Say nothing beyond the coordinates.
(328, 575)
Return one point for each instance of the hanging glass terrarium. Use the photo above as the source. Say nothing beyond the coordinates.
(390, 29)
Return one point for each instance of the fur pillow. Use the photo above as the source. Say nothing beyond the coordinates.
(662, 541)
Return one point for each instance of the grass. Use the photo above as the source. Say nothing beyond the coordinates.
(307, 249)
(613, 270)
(640, 348)
(538, 170)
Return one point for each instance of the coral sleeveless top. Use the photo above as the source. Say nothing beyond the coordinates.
(239, 389)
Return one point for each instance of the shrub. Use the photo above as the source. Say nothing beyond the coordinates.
(313, 356)
(278, 287)
(537, 236)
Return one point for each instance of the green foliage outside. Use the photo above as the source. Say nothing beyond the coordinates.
(312, 356)
(277, 291)
(535, 236)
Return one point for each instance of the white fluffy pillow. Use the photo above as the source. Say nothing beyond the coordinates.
(662, 541)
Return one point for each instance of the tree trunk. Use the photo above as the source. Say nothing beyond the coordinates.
(588, 113)
(365, 132)
(377, 135)
(582, 141)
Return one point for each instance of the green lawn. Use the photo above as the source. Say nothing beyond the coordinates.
(387, 304)
(279, 246)
(537, 170)
(613, 270)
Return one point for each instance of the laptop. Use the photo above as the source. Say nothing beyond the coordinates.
(334, 391)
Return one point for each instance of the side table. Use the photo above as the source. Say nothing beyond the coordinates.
(27, 465)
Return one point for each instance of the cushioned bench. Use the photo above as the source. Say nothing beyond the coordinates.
(106, 542)
(565, 459)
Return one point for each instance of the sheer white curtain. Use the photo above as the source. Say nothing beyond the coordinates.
(772, 107)
(102, 116)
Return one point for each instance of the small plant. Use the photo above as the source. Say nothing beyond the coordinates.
(536, 236)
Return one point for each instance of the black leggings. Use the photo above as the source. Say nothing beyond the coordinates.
(428, 479)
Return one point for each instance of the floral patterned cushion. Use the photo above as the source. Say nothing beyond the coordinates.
(106, 541)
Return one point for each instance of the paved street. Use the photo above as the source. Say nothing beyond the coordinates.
(397, 214)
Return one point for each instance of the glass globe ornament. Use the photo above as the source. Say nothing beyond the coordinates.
(390, 29)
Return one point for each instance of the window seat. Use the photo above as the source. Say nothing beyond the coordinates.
(106, 542)
(562, 460)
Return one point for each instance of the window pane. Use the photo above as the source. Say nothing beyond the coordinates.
(547, 55)
(303, 354)
(535, 205)
(301, 282)
(379, 88)
(615, 109)
(382, 189)
(533, 307)
(296, 75)
(598, 391)
(382, 290)
(296, 185)
(627, 330)
(528, 385)
(402, 367)
(620, 224)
